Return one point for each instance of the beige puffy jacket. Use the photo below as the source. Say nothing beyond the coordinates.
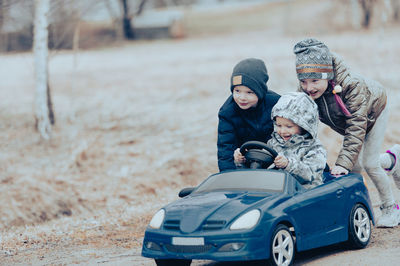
(365, 99)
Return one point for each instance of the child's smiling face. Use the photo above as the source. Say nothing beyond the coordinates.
(244, 97)
(314, 87)
(286, 128)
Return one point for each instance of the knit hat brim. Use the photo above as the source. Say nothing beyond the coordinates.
(314, 71)
(245, 80)
(252, 73)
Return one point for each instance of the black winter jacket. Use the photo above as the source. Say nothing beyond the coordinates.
(236, 126)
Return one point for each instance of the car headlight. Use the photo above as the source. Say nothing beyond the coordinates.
(157, 219)
(247, 220)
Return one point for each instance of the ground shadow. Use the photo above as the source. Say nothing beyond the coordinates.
(300, 259)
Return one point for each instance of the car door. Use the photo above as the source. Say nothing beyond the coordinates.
(317, 212)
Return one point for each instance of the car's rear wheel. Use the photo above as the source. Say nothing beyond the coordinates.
(172, 262)
(282, 246)
(359, 227)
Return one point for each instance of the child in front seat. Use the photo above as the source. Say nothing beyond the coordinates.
(300, 152)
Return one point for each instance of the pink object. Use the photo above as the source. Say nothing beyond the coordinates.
(341, 105)
(339, 100)
(395, 159)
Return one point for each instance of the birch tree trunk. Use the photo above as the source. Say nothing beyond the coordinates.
(44, 115)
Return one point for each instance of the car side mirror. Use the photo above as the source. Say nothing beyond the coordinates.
(186, 191)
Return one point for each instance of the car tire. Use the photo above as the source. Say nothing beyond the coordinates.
(282, 247)
(359, 227)
(172, 262)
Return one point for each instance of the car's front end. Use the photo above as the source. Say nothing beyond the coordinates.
(224, 245)
(216, 225)
(246, 238)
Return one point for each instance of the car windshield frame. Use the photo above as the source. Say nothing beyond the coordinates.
(254, 180)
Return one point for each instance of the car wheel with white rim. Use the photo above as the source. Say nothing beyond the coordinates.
(282, 246)
(359, 227)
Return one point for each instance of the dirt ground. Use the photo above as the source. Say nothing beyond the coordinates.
(137, 122)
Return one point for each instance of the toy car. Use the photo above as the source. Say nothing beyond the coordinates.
(258, 214)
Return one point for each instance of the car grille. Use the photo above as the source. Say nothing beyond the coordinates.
(188, 249)
(172, 225)
(213, 225)
(210, 225)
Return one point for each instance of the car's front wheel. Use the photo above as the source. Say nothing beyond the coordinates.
(172, 262)
(359, 227)
(282, 246)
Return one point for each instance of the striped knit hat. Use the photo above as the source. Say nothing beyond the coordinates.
(313, 60)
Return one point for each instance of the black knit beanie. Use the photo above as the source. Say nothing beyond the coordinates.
(253, 74)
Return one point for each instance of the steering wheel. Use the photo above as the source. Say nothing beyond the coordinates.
(257, 154)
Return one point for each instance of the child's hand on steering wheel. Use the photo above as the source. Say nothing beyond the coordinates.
(238, 157)
(281, 161)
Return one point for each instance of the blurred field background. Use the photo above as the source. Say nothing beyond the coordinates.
(136, 119)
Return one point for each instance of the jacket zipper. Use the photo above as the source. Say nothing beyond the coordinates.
(327, 112)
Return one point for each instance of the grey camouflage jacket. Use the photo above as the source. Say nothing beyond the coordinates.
(305, 153)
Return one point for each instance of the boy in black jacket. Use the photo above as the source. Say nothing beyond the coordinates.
(246, 114)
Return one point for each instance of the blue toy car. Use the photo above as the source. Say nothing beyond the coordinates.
(258, 214)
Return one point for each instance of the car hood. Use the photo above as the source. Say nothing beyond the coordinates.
(214, 209)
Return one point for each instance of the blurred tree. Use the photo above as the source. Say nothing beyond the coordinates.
(388, 9)
(4, 36)
(17, 25)
(77, 31)
(367, 7)
(164, 3)
(127, 17)
(126, 20)
(44, 114)
(1, 13)
(395, 6)
(355, 14)
(123, 18)
(65, 18)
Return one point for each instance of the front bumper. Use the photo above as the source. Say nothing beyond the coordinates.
(228, 246)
